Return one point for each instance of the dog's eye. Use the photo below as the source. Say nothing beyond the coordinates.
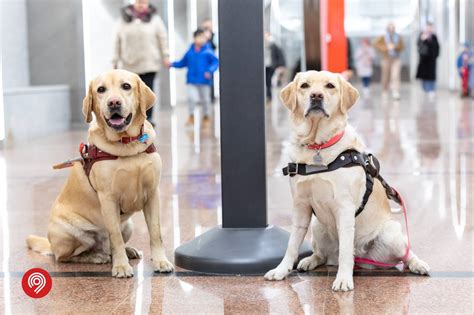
(330, 86)
(304, 86)
(126, 86)
(100, 89)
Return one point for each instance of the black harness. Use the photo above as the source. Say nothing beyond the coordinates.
(349, 158)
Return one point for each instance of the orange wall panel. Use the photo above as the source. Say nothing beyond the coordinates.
(333, 37)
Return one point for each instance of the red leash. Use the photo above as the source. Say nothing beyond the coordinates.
(360, 260)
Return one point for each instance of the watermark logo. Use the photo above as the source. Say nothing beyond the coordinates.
(36, 283)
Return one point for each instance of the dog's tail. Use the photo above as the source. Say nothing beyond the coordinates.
(39, 244)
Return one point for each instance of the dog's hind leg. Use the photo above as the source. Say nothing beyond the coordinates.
(390, 245)
(91, 257)
(127, 230)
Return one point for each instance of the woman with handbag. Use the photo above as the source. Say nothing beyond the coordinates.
(428, 49)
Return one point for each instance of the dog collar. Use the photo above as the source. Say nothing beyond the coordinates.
(142, 137)
(327, 144)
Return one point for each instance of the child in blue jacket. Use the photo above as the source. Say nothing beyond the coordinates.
(201, 63)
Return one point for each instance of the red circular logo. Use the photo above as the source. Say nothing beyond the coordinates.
(36, 283)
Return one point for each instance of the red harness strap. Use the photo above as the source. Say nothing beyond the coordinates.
(91, 154)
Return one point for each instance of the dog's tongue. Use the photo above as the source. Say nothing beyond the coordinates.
(117, 121)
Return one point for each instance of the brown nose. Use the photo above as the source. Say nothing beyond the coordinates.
(114, 102)
(316, 96)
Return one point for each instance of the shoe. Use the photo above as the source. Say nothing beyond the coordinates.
(206, 121)
(366, 92)
(190, 121)
(396, 95)
(431, 96)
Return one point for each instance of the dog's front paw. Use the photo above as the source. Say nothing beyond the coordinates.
(163, 265)
(418, 266)
(277, 274)
(343, 283)
(122, 271)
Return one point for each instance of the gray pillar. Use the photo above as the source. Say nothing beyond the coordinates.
(242, 93)
(244, 244)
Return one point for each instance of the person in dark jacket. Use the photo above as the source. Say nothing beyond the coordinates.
(201, 63)
(274, 59)
(428, 49)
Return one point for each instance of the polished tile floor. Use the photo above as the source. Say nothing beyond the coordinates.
(426, 150)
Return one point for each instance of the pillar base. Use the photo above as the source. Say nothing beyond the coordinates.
(238, 251)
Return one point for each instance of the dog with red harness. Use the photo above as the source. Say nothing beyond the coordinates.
(117, 175)
(333, 178)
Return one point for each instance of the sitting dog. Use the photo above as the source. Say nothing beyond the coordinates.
(318, 103)
(118, 175)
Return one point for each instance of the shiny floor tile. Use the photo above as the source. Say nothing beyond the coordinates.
(426, 151)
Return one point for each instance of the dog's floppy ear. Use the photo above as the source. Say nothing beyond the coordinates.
(88, 104)
(349, 95)
(146, 97)
(288, 94)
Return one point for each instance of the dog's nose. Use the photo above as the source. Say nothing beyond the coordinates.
(114, 102)
(316, 96)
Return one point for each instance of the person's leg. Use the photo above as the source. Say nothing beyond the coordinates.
(205, 101)
(148, 78)
(395, 76)
(268, 81)
(385, 64)
(211, 89)
(365, 81)
(193, 98)
(431, 85)
(424, 85)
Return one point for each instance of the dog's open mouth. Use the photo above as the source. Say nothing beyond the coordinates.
(117, 121)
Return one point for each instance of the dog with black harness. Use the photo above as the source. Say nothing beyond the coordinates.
(332, 177)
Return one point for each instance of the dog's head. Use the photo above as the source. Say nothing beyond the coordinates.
(319, 94)
(119, 99)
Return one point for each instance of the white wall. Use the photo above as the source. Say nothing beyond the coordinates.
(14, 36)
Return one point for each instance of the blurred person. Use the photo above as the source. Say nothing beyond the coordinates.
(390, 46)
(201, 63)
(349, 72)
(428, 49)
(364, 58)
(141, 43)
(465, 64)
(206, 26)
(274, 59)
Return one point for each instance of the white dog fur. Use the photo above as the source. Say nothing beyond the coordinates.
(335, 196)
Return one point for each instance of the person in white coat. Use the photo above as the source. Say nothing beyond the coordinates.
(141, 43)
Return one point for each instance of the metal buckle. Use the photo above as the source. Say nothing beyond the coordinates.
(290, 172)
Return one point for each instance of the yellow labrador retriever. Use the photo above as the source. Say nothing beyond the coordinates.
(318, 104)
(91, 218)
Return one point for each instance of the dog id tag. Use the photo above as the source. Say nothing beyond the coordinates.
(318, 159)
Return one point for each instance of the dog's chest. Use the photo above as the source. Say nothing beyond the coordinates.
(130, 181)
